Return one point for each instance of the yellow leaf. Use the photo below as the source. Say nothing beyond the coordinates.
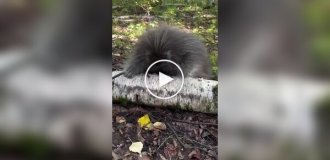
(144, 122)
(136, 147)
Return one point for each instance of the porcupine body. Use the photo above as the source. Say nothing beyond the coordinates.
(166, 42)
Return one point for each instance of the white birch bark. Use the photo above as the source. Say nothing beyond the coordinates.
(197, 94)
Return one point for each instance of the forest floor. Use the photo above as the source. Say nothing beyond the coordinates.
(187, 135)
(184, 134)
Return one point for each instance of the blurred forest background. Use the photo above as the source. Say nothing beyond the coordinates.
(316, 16)
(132, 18)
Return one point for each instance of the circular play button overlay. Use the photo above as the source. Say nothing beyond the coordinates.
(163, 79)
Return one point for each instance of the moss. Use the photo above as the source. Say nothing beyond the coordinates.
(187, 107)
(215, 95)
(122, 101)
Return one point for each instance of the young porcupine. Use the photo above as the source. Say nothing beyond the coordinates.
(169, 43)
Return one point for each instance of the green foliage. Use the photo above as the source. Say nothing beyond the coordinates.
(321, 54)
(134, 7)
(46, 4)
(323, 109)
(28, 145)
(122, 101)
(147, 5)
(200, 17)
(135, 30)
(214, 63)
(316, 14)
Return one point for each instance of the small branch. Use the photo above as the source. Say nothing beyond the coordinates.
(177, 137)
(130, 139)
(164, 142)
(207, 146)
(197, 123)
(186, 145)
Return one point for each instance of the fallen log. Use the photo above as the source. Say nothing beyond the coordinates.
(196, 95)
(55, 105)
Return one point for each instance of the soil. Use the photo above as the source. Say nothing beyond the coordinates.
(198, 132)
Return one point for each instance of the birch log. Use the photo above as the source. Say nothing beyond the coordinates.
(53, 105)
(196, 95)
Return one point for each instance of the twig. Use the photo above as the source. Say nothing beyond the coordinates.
(211, 133)
(187, 145)
(182, 121)
(197, 123)
(201, 144)
(130, 139)
(198, 143)
(174, 132)
(177, 137)
(164, 142)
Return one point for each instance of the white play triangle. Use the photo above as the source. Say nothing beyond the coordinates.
(163, 79)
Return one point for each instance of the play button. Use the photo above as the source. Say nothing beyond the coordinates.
(163, 79)
(163, 89)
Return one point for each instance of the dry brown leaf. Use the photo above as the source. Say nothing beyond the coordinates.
(156, 133)
(120, 119)
(159, 125)
(195, 154)
(170, 150)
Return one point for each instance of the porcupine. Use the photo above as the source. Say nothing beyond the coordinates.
(166, 42)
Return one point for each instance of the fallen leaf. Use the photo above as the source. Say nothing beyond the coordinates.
(136, 147)
(156, 133)
(196, 154)
(170, 150)
(144, 122)
(159, 125)
(120, 119)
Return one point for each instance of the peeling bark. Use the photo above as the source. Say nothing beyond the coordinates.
(197, 94)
